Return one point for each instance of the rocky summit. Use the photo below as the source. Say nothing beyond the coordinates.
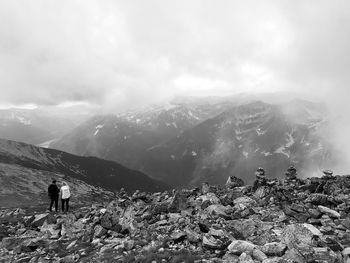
(280, 221)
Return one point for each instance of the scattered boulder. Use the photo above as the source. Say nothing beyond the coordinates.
(274, 249)
(41, 218)
(211, 242)
(218, 211)
(99, 231)
(328, 211)
(238, 247)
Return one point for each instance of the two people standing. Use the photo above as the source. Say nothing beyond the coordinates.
(54, 193)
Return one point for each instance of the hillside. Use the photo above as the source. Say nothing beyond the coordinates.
(26, 187)
(36, 166)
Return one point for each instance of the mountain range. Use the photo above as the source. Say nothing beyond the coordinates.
(194, 141)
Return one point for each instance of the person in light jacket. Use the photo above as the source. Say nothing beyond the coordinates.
(65, 195)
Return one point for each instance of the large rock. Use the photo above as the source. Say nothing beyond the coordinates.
(324, 254)
(193, 236)
(315, 231)
(238, 247)
(50, 229)
(297, 236)
(209, 197)
(40, 219)
(318, 199)
(106, 221)
(99, 231)
(293, 255)
(274, 249)
(160, 208)
(328, 211)
(258, 255)
(178, 203)
(33, 244)
(218, 211)
(234, 181)
(212, 242)
(243, 228)
(11, 242)
(245, 258)
(244, 200)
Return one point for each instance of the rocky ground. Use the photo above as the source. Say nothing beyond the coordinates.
(297, 221)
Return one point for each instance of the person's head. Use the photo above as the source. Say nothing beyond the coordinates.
(64, 183)
(54, 181)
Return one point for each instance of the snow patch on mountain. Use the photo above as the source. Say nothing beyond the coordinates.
(98, 127)
(47, 143)
(289, 143)
(290, 140)
(192, 115)
(260, 132)
(23, 120)
(266, 153)
(245, 154)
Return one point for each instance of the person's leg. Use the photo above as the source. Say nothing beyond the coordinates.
(67, 204)
(56, 204)
(51, 204)
(62, 201)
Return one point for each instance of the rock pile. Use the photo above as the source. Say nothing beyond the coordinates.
(290, 221)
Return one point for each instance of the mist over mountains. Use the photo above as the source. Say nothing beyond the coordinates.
(191, 141)
(40, 125)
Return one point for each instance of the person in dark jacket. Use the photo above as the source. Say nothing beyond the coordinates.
(53, 192)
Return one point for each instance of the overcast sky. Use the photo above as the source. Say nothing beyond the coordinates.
(131, 52)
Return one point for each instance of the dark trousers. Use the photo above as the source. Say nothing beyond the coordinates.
(54, 200)
(65, 201)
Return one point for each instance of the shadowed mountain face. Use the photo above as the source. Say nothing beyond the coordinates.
(125, 138)
(30, 165)
(200, 141)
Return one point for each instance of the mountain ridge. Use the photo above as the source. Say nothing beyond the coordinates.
(50, 163)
